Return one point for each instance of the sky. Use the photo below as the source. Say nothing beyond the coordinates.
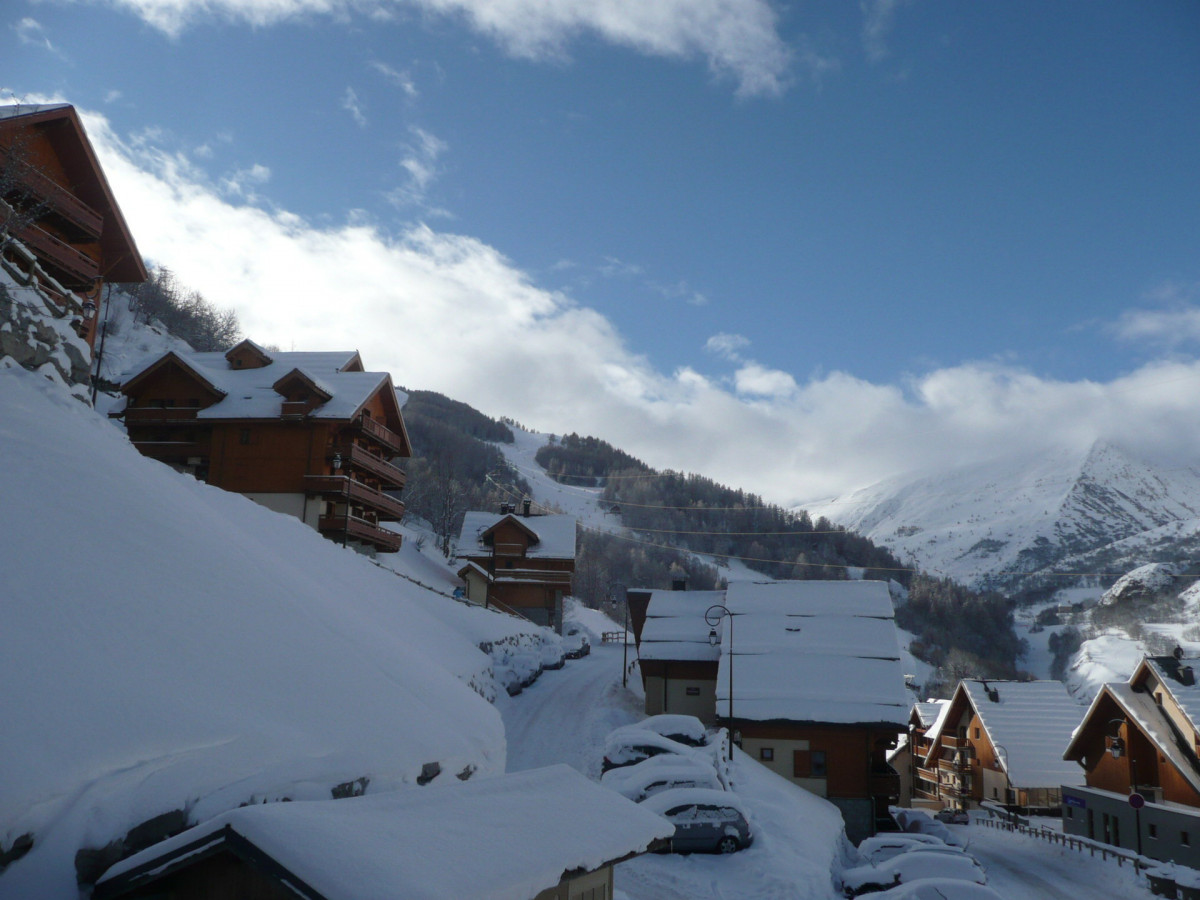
(798, 248)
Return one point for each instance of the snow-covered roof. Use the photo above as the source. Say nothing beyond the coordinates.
(503, 838)
(249, 393)
(555, 534)
(1030, 724)
(1166, 669)
(675, 626)
(930, 712)
(13, 110)
(812, 651)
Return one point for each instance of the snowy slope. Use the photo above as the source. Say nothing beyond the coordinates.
(1024, 515)
(168, 645)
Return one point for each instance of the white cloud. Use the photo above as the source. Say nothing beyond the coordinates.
(354, 106)
(880, 17)
(241, 182)
(400, 79)
(1176, 323)
(727, 346)
(738, 38)
(420, 163)
(30, 31)
(760, 381)
(447, 312)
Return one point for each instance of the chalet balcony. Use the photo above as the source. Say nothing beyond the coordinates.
(389, 509)
(950, 742)
(57, 198)
(956, 765)
(388, 474)
(355, 529)
(380, 433)
(139, 415)
(72, 267)
(884, 783)
(928, 775)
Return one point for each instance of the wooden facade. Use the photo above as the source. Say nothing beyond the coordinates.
(56, 202)
(309, 445)
(512, 562)
(1141, 739)
(999, 742)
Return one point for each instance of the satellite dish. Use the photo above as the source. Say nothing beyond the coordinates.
(1177, 652)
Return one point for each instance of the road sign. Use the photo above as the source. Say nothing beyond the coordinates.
(1136, 800)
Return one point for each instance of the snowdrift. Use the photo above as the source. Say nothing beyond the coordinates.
(168, 646)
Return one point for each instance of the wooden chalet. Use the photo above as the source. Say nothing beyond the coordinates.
(60, 226)
(521, 563)
(544, 834)
(1140, 740)
(806, 674)
(920, 787)
(1001, 742)
(310, 434)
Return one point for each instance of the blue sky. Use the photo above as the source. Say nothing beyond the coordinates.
(780, 245)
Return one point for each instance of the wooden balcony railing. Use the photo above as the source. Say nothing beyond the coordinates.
(389, 509)
(56, 197)
(391, 476)
(77, 269)
(884, 784)
(380, 433)
(147, 414)
(360, 530)
(955, 743)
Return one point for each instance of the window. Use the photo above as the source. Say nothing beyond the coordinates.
(1184, 839)
(976, 734)
(1152, 830)
(766, 754)
(244, 438)
(818, 764)
(693, 692)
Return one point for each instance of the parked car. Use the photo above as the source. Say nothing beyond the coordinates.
(883, 847)
(939, 889)
(705, 821)
(951, 816)
(684, 729)
(661, 773)
(911, 866)
(920, 821)
(576, 644)
(631, 744)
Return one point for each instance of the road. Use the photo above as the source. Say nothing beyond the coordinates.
(1020, 866)
(565, 715)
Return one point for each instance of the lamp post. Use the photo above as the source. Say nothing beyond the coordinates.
(337, 467)
(1118, 748)
(1007, 778)
(614, 590)
(712, 617)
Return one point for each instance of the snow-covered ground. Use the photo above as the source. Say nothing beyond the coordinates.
(798, 837)
(1022, 867)
(171, 646)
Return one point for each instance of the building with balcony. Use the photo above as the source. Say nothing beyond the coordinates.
(806, 674)
(919, 783)
(518, 562)
(312, 435)
(1138, 753)
(60, 227)
(1001, 742)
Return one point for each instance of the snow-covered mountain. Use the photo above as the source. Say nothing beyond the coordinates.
(999, 522)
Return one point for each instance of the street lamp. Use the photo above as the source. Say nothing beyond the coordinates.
(617, 589)
(1008, 791)
(337, 467)
(712, 617)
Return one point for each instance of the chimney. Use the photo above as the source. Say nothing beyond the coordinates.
(1187, 676)
(525, 506)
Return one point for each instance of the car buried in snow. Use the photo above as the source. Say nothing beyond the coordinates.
(911, 866)
(706, 821)
(631, 744)
(661, 773)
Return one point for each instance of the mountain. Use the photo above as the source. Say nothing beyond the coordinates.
(1010, 523)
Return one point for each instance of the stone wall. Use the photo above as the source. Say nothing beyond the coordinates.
(37, 335)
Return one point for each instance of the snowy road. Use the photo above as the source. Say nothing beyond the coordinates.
(566, 714)
(1019, 866)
